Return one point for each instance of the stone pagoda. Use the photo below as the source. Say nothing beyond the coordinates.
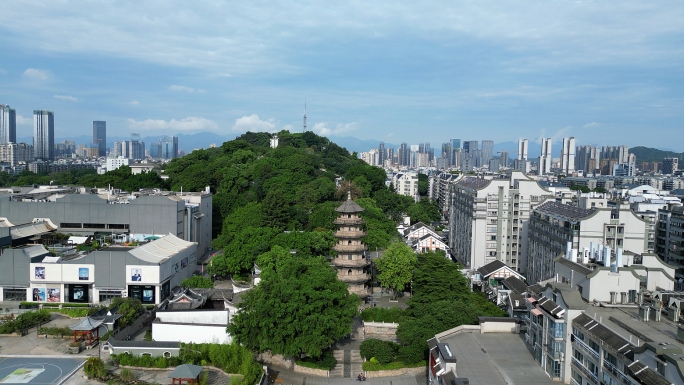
(351, 260)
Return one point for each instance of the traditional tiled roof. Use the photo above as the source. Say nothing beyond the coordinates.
(87, 324)
(515, 284)
(550, 307)
(349, 207)
(144, 344)
(186, 371)
(491, 267)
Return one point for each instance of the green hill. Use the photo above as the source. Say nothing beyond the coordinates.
(648, 154)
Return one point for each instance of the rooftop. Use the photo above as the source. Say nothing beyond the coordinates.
(349, 207)
(474, 183)
(495, 359)
(563, 210)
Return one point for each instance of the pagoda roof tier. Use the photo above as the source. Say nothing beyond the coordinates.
(358, 248)
(349, 206)
(348, 221)
(354, 277)
(350, 234)
(342, 262)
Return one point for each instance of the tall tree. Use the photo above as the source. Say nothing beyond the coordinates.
(300, 309)
(395, 267)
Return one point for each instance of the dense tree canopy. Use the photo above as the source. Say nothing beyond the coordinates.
(300, 308)
(441, 300)
(395, 267)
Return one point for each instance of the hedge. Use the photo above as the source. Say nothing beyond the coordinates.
(379, 314)
(50, 304)
(25, 321)
(383, 351)
(376, 366)
(56, 331)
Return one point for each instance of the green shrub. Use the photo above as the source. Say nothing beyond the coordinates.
(372, 367)
(161, 363)
(197, 281)
(384, 351)
(411, 354)
(326, 361)
(94, 368)
(25, 321)
(73, 313)
(106, 336)
(127, 375)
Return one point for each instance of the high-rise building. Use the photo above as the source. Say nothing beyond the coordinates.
(587, 159)
(523, 149)
(8, 124)
(169, 147)
(404, 155)
(621, 153)
(487, 151)
(545, 157)
(455, 144)
(469, 146)
(503, 159)
(100, 136)
(568, 155)
(43, 135)
(670, 165)
(381, 154)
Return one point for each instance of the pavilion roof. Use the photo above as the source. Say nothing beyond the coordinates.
(87, 324)
(186, 371)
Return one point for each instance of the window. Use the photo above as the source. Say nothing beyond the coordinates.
(492, 238)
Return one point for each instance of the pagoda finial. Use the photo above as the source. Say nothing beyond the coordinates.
(349, 193)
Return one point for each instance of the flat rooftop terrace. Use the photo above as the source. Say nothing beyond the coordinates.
(495, 359)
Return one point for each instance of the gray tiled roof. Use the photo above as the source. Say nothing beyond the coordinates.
(349, 206)
(606, 336)
(563, 210)
(474, 183)
(491, 267)
(573, 266)
(144, 344)
(515, 284)
(186, 371)
(550, 307)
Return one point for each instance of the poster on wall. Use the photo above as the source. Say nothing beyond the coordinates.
(148, 295)
(40, 273)
(184, 263)
(136, 275)
(38, 294)
(53, 294)
(78, 293)
(83, 274)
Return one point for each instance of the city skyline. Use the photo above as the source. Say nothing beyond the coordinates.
(390, 72)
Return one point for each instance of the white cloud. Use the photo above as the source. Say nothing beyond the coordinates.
(65, 97)
(253, 123)
(183, 125)
(322, 129)
(24, 121)
(36, 74)
(560, 134)
(134, 103)
(591, 125)
(191, 90)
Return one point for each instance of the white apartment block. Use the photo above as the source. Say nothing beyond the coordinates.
(406, 183)
(115, 163)
(488, 219)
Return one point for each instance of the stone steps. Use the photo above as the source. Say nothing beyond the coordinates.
(349, 363)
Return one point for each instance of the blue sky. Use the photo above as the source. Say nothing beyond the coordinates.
(606, 72)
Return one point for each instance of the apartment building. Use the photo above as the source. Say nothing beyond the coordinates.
(554, 225)
(488, 219)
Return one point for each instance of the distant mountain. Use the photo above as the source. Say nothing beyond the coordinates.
(648, 154)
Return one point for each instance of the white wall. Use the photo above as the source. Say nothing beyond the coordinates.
(218, 317)
(190, 333)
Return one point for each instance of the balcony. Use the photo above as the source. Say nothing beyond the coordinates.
(354, 277)
(350, 234)
(584, 370)
(586, 348)
(348, 221)
(357, 248)
(612, 369)
(344, 262)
